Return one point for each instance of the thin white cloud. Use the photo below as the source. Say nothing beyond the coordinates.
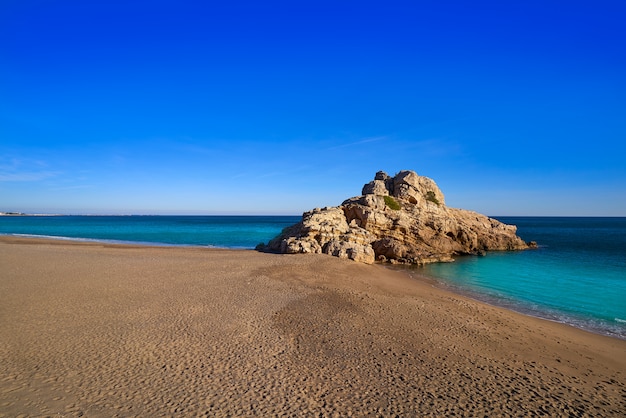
(27, 176)
(360, 142)
(78, 187)
(16, 169)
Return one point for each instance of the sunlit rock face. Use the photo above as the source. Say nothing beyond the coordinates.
(400, 219)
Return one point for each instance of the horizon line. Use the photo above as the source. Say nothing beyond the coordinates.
(9, 214)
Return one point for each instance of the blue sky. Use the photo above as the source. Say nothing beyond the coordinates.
(175, 107)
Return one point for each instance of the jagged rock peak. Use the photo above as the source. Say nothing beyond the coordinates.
(400, 219)
(406, 185)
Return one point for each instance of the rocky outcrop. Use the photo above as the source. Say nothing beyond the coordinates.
(400, 219)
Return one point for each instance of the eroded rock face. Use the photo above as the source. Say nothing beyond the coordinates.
(397, 219)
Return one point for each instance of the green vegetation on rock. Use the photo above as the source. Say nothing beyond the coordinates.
(391, 203)
(430, 196)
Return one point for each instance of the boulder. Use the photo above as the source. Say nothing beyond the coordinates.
(400, 219)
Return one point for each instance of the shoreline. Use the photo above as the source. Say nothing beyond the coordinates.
(97, 241)
(515, 306)
(408, 270)
(109, 329)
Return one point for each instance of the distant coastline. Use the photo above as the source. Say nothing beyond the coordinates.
(265, 215)
(27, 214)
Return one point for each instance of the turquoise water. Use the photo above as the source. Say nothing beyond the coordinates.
(242, 232)
(576, 276)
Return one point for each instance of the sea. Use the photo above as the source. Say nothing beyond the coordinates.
(577, 275)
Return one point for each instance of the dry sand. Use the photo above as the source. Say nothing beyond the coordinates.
(103, 330)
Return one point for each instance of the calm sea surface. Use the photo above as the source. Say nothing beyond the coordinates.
(242, 232)
(576, 276)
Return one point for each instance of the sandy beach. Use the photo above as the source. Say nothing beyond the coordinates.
(100, 330)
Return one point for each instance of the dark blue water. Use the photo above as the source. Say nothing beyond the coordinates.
(214, 231)
(576, 276)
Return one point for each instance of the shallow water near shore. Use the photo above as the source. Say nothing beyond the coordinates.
(576, 276)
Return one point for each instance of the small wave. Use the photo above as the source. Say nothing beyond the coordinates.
(123, 242)
(54, 237)
(620, 320)
(95, 240)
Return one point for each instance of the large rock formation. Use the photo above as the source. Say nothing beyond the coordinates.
(397, 219)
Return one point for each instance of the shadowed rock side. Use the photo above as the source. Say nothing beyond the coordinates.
(401, 219)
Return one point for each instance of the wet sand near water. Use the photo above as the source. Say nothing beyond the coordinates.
(103, 330)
